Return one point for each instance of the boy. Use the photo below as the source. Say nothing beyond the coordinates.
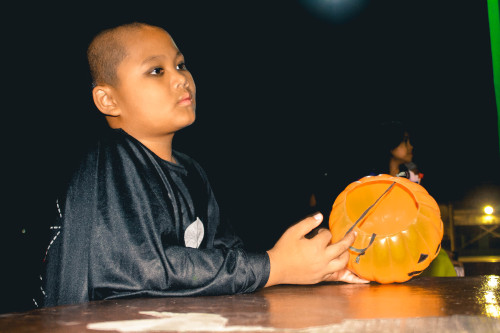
(140, 219)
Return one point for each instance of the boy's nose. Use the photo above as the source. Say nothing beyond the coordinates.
(181, 81)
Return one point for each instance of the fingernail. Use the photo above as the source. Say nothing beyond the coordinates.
(355, 233)
(318, 217)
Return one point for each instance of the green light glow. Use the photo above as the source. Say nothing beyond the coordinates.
(493, 17)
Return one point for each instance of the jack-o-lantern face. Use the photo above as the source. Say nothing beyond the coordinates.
(398, 224)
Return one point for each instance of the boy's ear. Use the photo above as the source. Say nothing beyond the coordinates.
(105, 101)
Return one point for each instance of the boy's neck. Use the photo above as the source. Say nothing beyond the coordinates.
(160, 146)
(394, 167)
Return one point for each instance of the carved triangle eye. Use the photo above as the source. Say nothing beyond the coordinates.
(422, 257)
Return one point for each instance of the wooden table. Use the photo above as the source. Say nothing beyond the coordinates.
(425, 304)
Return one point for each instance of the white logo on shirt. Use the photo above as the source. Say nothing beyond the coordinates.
(194, 234)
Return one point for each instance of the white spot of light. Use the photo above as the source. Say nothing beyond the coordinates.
(337, 11)
(488, 210)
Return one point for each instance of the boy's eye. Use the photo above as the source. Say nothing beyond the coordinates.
(157, 71)
(182, 66)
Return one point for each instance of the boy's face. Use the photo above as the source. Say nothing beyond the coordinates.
(155, 92)
(404, 151)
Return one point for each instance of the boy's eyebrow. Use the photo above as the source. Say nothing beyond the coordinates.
(158, 57)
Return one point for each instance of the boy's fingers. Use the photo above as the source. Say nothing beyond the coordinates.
(348, 276)
(354, 279)
(306, 225)
(334, 250)
(345, 275)
(324, 236)
(339, 262)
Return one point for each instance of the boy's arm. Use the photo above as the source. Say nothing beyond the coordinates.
(297, 259)
(214, 271)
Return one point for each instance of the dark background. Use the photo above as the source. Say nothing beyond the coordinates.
(286, 101)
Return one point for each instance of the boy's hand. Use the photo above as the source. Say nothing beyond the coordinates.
(297, 259)
(346, 275)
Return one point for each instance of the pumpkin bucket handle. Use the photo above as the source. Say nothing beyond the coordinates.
(362, 251)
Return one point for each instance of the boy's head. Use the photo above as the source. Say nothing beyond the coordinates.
(140, 80)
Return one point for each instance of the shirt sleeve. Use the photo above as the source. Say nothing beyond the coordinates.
(215, 271)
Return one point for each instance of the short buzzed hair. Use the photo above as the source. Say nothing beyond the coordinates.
(107, 50)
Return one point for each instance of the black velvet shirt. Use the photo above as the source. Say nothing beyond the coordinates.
(131, 224)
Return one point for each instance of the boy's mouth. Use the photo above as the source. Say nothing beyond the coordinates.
(185, 99)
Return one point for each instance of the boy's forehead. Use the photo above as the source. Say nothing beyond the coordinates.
(148, 41)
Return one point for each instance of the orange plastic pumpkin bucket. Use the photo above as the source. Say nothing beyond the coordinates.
(398, 224)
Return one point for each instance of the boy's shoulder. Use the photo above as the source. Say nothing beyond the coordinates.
(115, 149)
